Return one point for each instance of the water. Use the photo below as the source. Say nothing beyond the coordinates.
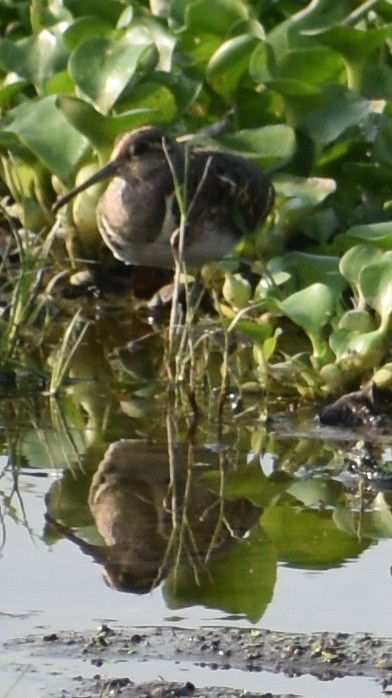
(116, 508)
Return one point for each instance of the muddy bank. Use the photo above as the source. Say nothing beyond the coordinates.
(323, 655)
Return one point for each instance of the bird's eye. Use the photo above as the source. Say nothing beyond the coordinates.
(140, 147)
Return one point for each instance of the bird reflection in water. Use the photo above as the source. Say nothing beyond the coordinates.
(155, 514)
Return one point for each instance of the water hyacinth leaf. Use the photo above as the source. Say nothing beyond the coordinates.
(358, 320)
(356, 46)
(313, 65)
(9, 91)
(163, 39)
(154, 98)
(256, 332)
(289, 87)
(236, 291)
(342, 110)
(36, 58)
(377, 234)
(306, 269)
(374, 523)
(101, 69)
(356, 351)
(110, 11)
(59, 146)
(269, 144)
(240, 580)
(86, 28)
(100, 130)
(309, 539)
(375, 282)
(249, 483)
(185, 89)
(205, 17)
(229, 62)
(352, 263)
(311, 191)
(382, 148)
(311, 308)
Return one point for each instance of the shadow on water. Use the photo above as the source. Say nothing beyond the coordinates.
(208, 507)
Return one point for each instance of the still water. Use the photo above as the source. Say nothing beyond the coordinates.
(118, 506)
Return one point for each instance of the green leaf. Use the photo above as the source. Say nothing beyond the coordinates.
(240, 580)
(312, 309)
(269, 144)
(309, 539)
(374, 523)
(229, 62)
(206, 17)
(154, 98)
(342, 110)
(356, 351)
(375, 282)
(356, 46)
(102, 68)
(312, 66)
(35, 59)
(355, 259)
(377, 234)
(109, 11)
(58, 145)
(86, 28)
(310, 191)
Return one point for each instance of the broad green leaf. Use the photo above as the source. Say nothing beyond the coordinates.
(342, 110)
(268, 144)
(355, 259)
(102, 68)
(290, 87)
(307, 269)
(229, 62)
(163, 39)
(36, 58)
(58, 145)
(375, 282)
(356, 46)
(377, 234)
(359, 320)
(309, 539)
(236, 291)
(240, 580)
(151, 97)
(249, 483)
(313, 66)
(101, 130)
(356, 351)
(86, 28)
(109, 11)
(314, 491)
(312, 309)
(375, 523)
(206, 17)
(9, 91)
(310, 191)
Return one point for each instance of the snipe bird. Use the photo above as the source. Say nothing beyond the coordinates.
(138, 214)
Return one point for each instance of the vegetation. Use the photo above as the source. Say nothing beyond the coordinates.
(303, 90)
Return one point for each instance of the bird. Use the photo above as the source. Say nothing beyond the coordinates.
(139, 214)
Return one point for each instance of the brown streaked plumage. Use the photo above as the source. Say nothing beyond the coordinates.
(138, 213)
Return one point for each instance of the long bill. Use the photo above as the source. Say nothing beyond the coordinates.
(105, 172)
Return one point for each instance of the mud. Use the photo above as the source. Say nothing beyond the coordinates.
(325, 656)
